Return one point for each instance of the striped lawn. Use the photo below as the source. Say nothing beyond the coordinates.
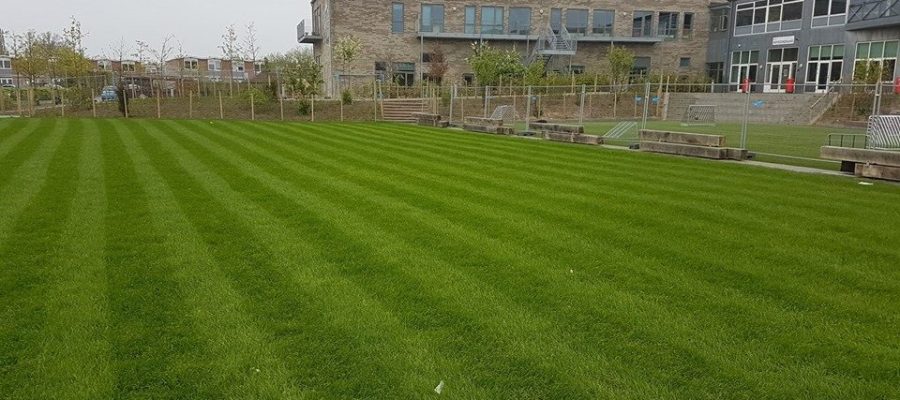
(196, 259)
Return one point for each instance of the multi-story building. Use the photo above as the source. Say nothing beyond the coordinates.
(571, 36)
(213, 69)
(814, 43)
(7, 74)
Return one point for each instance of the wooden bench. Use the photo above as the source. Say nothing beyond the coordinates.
(689, 144)
(428, 119)
(565, 133)
(867, 163)
(488, 125)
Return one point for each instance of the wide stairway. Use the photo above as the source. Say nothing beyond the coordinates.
(401, 110)
(766, 108)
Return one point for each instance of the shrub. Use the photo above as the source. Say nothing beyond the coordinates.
(260, 97)
(346, 97)
(303, 107)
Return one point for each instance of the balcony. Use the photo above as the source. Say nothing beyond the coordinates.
(519, 37)
(872, 14)
(307, 37)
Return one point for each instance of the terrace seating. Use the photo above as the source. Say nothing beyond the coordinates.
(689, 144)
(565, 133)
(488, 125)
(866, 163)
(429, 119)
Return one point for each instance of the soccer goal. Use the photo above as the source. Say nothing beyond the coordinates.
(883, 132)
(699, 115)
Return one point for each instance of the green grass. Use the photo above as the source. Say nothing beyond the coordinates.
(196, 259)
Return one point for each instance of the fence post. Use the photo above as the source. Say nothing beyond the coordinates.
(158, 107)
(281, 104)
(462, 108)
(19, 101)
(876, 101)
(745, 122)
(221, 108)
(31, 101)
(191, 104)
(341, 102)
(93, 104)
(312, 108)
(375, 98)
(528, 111)
(252, 108)
(125, 102)
(62, 103)
(487, 93)
(581, 109)
(646, 105)
(452, 99)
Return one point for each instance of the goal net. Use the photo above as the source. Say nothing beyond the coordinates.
(699, 115)
(506, 113)
(883, 132)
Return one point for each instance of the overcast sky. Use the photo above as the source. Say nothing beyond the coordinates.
(198, 25)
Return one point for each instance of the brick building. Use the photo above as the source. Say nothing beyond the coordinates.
(572, 36)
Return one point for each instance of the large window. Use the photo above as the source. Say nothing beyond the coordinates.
(556, 19)
(768, 16)
(397, 11)
(718, 20)
(716, 71)
(214, 64)
(492, 20)
(687, 25)
(603, 22)
(876, 60)
(520, 20)
(128, 66)
(577, 20)
(744, 65)
(641, 66)
(190, 64)
(432, 18)
(668, 24)
(829, 12)
(825, 65)
(642, 26)
(404, 73)
(5, 63)
(470, 19)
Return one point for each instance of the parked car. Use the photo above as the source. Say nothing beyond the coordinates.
(8, 86)
(109, 94)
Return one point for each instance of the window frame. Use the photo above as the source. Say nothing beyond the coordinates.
(688, 32)
(612, 22)
(398, 25)
(762, 17)
(671, 29)
(646, 23)
(582, 30)
(830, 18)
(493, 28)
(431, 18)
(516, 30)
(470, 27)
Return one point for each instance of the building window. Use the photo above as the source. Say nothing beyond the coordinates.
(875, 61)
(104, 65)
(426, 57)
(744, 65)
(381, 70)
(520, 20)
(237, 66)
(687, 26)
(397, 11)
(470, 19)
(603, 22)
(718, 20)
(716, 72)
(190, 64)
(492, 20)
(684, 62)
(577, 21)
(643, 24)
(468, 79)
(576, 69)
(5, 63)
(641, 66)
(668, 24)
(404, 74)
(556, 19)
(6, 81)
(829, 12)
(768, 16)
(257, 67)
(432, 18)
(215, 65)
(825, 65)
(128, 66)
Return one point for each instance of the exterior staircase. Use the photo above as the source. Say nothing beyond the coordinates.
(401, 110)
(553, 43)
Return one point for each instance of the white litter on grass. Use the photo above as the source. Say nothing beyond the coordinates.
(439, 388)
(867, 183)
(571, 271)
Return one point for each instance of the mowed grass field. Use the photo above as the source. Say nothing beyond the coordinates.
(193, 259)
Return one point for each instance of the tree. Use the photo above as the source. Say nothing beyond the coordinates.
(535, 73)
(298, 70)
(251, 45)
(74, 36)
(621, 61)
(31, 59)
(438, 66)
(231, 50)
(141, 53)
(490, 64)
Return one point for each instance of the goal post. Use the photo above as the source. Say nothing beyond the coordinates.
(883, 132)
(699, 115)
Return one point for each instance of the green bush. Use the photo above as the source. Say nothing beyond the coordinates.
(347, 97)
(260, 97)
(303, 107)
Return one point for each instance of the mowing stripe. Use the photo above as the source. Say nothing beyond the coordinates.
(9, 142)
(214, 307)
(76, 354)
(32, 223)
(371, 319)
(157, 353)
(18, 149)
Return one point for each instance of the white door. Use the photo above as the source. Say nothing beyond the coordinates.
(777, 75)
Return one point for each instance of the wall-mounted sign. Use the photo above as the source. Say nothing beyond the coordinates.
(783, 40)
